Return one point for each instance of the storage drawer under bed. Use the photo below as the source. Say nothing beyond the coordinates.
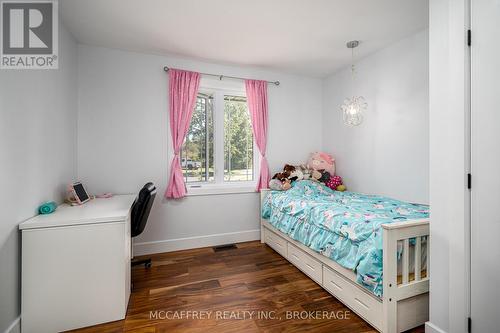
(366, 306)
(278, 243)
(299, 258)
(306, 263)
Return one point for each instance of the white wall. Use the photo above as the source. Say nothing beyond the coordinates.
(123, 142)
(37, 155)
(449, 164)
(389, 153)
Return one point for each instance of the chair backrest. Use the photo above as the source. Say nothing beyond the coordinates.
(141, 208)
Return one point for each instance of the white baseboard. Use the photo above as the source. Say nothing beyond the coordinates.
(431, 328)
(15, 326)
(170, 245)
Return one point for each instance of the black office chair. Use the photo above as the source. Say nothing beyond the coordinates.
(139, 216)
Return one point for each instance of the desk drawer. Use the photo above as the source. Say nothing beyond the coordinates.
(305, 263)
(276, 242)
(363, 304)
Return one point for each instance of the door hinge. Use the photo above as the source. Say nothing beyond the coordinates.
(469, 181)
(468, 324)
(469, 37)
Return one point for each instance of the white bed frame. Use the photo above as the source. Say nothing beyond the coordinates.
(403, 306)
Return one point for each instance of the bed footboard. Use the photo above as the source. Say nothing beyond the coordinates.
(408, 234)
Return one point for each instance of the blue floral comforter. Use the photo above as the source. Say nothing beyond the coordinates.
(343, 226)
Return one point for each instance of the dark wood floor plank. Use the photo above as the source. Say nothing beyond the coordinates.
(250, 278)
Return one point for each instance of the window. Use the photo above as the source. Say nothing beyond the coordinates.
(238, 140)
(197, 153)
(218, 154)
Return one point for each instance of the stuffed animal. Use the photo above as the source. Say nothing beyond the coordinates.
(276, 184)
(281, 176)
(297, 174)
(321, 176)
(315, 175)
(281, 180)
(322, 161)
(325, 176)
(306, 172)
(288, 170)
(335, 183)
(341, 188)
(287, 184)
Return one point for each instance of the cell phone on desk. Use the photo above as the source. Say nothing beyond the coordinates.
(80, 193)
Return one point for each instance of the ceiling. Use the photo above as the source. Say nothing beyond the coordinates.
(297, 36)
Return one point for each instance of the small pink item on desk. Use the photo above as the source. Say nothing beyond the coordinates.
(104, 195)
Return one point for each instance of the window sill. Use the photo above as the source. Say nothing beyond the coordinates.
(220, 189)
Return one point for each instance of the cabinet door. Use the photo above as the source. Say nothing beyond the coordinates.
(485, 167)
(73, 276)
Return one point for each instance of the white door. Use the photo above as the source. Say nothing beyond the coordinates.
(485, 167)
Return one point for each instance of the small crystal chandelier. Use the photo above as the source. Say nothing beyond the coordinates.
(353, 108)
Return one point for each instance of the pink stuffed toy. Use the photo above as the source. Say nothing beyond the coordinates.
(322, 161)
(334, 182)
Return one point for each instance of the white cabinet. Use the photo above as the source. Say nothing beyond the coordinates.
(76, 266)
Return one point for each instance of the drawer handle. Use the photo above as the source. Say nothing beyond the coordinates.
(295, 256)
(312, 268)
(360, 302)
(336, 285)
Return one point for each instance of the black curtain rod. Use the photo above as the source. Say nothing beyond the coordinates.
(277, 83)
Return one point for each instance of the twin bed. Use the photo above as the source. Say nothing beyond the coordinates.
(368, 251)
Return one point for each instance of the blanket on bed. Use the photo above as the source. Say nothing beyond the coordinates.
(343, 226)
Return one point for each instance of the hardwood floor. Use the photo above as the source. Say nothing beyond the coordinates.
(233, 290)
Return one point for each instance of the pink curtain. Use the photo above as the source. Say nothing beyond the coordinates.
(183, 88)
(257, 104)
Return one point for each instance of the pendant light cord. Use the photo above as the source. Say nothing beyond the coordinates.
(353, 72)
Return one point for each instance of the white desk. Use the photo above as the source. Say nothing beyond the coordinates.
(76, 265)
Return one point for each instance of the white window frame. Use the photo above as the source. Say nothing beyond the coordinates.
(219, 89)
